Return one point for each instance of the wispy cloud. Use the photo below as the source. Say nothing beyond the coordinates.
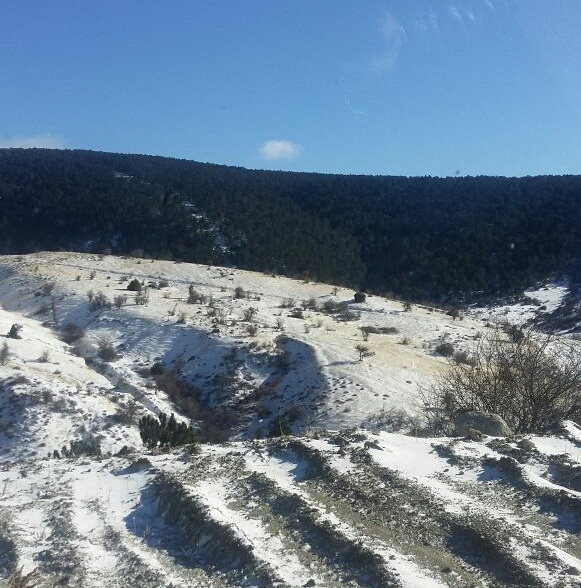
(394, 35)
(280, 149)
(490, 5)
(463, 15)
(427, 22)
(39, 141)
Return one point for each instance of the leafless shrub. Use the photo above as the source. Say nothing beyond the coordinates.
(393, 420)
(363, 351)
(239, 292)
(249, 313)
(461, 357)
(288, 303)
(4, 354)
(195, 297)
(297, 313)
(120, 300)
(346, 314)
(252, 329)
(142, 298)
(220, 313)
(44, 356)
(532, 382)
(100, 301)
(19, 579)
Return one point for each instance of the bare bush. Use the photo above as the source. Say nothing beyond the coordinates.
(19, 579)
(142, 298)
(99, 301)
(364, 351)
(249, 313)
(444, 348)
(195, 296)
(393, 420)
(120, 300)
(532, 382)
(4, 354)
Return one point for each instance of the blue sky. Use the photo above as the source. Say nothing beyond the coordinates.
(422, 87)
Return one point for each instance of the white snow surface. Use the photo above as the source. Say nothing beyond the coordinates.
(94, 520)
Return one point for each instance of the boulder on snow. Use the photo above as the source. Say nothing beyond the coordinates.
(486, 422)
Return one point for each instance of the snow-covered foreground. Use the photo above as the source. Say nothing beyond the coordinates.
(330, 505)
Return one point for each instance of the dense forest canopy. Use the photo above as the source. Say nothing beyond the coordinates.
(419, 238)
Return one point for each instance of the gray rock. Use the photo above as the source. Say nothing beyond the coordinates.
(485, 422)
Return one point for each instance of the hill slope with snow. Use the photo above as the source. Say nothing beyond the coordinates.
(84, 503)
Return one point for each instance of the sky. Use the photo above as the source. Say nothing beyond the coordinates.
(390, 87)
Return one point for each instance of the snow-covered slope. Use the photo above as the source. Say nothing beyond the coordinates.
(331, 505)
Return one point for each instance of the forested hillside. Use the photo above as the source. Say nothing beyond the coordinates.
(419, 238)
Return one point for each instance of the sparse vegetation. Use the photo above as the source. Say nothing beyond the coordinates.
(135, 285)
(107, 350)
(288, 303)
(364, 351)
(195, 297)
(164, 433)
(4, 353)
(72, 332)
(444, 348)
(120, 300)
(142, 297)
(252, 329)
(19, 579)
(14, 332)
(529, 382)
(99, 301)
(249, 313)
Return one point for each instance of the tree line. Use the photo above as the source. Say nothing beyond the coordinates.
(418, 238)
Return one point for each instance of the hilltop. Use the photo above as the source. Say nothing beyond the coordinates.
(422, 239)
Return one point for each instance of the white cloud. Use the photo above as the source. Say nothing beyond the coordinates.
(279, 149)
(39, 141)
(394, 34)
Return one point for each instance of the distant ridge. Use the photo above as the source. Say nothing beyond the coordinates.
(418, 238)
